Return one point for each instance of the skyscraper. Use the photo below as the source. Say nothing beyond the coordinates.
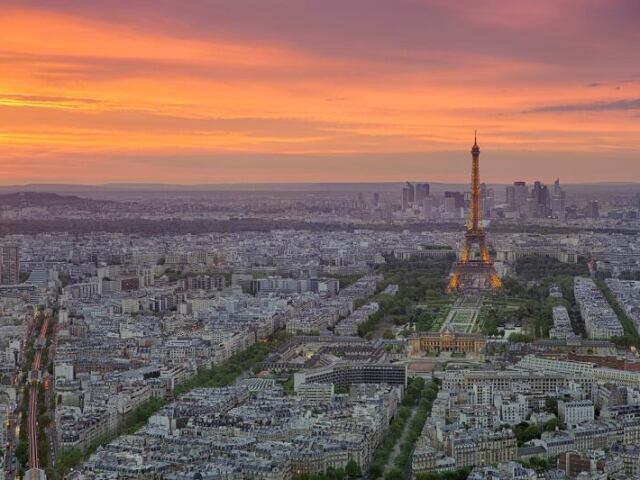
(540, 206)
(408, 196)
(521, 193)
(592, 210)
(487, 200)
(556, 186)
(454, 204)
(558, 201)
(517, 195)
(421, 192)
(458, 198)
(427, 208)
(9, 264)
(405, 198)
(412, 192)
(511, 197)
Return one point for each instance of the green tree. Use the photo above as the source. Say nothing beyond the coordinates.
(525, 432)
(375, 469)
(394, 474)
(551, 425)
(551, 405)
(460, 474)
(66, 459)
(520, 338)
(352, 469)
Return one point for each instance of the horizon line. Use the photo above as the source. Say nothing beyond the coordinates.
(266, 183)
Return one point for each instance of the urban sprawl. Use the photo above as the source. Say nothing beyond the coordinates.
(309, 334)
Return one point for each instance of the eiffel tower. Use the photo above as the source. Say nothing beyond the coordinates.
(471, 271)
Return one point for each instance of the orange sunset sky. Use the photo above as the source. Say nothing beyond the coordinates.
(318, 90)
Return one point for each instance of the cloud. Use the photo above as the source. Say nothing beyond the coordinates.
(46, 101)
(616, 84)
(602, 106)
(314, 80)
(45, 98)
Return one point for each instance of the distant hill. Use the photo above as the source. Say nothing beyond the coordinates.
(46, 199)
(130, 191)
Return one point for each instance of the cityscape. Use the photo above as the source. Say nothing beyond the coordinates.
(302, 286)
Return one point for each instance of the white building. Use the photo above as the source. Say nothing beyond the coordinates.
(600, 320)
(575, 412)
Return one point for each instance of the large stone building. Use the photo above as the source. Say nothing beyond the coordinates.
(9, 264)
(343, 374)
(447, 340)
(540, 382)
(482, 447)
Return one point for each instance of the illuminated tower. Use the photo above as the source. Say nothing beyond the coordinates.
(469, 271)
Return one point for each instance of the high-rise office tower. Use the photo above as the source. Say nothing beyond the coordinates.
(592, 209)
(522, 193)
(517, 195)
(558, 201)
(408, 196)
(421, 191)
(540, 201)
(9, 264)
(511, 196)
(454, 204)
(458, 198)
(556, 186)
(487, 200)
(427, 208)
(376, 199)
(412, 192)
(450, 208)
(545, 202)
(405, 198)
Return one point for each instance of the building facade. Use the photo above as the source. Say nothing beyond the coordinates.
(447, 341)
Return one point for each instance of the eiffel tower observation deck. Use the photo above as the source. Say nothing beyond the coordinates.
(474, 269)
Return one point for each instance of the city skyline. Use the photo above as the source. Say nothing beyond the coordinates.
(231, 92)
